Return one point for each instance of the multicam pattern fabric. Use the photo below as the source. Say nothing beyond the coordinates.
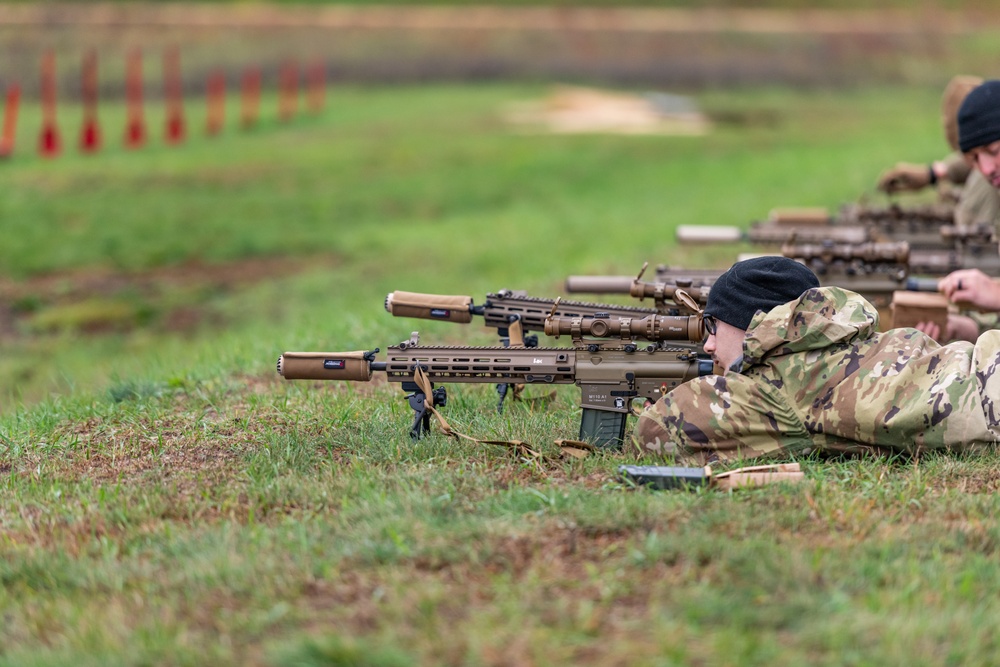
(816, 374)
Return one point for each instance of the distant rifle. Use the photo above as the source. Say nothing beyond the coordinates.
(607, 361)
(896, 217)
(926, 227)
(770, 234)
(873, 270)
(667, 280)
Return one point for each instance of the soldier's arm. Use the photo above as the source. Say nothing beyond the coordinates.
(954, 168)
(721, 418)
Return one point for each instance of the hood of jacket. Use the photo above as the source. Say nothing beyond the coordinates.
(821, 317)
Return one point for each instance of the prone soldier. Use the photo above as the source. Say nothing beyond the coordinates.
(801, 367)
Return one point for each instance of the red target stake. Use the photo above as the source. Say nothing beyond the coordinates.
(135, 130)
(173, 93)
(48, 142)
(10, 121)
(90, 132)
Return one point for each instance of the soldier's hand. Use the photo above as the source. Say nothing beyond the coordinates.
(959, 327)
(905, 176)
(972, 287)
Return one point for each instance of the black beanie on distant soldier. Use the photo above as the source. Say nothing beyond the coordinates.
(979, 117)
(756, 284)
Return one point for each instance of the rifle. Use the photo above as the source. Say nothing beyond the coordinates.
(873, 270)
(515, 314)
(929, 227)
(895, 217)
(773, 234)
(667, 280)
(608, 364)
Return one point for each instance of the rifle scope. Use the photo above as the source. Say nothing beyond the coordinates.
(876, 253)
(652, 327)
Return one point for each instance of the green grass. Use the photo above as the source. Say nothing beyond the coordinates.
(165, 498)
(721, 4)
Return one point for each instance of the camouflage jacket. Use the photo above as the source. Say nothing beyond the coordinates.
(817, 374)
(978, 203)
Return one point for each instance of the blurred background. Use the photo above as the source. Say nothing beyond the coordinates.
(444, 148)
(651, 42)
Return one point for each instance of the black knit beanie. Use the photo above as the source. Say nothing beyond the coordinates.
(979, 117)
(756, 284)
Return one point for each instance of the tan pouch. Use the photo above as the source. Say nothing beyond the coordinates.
(910, 308)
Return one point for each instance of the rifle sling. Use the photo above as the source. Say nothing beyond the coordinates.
(516, 334)
(520, 447)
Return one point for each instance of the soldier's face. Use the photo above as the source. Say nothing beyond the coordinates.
(987, 160)
(725, 346)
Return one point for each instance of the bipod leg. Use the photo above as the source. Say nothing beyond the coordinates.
(502, 393)
(421, 417)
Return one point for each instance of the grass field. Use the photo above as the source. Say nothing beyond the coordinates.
(166, 499)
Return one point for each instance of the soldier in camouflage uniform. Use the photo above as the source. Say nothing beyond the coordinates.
(978, 201)
(813, 373)
(979, 141)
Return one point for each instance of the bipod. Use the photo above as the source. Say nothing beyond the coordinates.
(418, 403)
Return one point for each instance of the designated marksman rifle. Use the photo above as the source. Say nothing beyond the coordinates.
(925, 227)
(509, 311)
(608, 361)
(874, 270)
(515, 314)
(666, 282)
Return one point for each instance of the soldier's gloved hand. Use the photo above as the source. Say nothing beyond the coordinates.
(905, 176)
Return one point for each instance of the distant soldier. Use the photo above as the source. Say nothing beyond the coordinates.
(803, 368)
(977, 201)
(979, 141)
